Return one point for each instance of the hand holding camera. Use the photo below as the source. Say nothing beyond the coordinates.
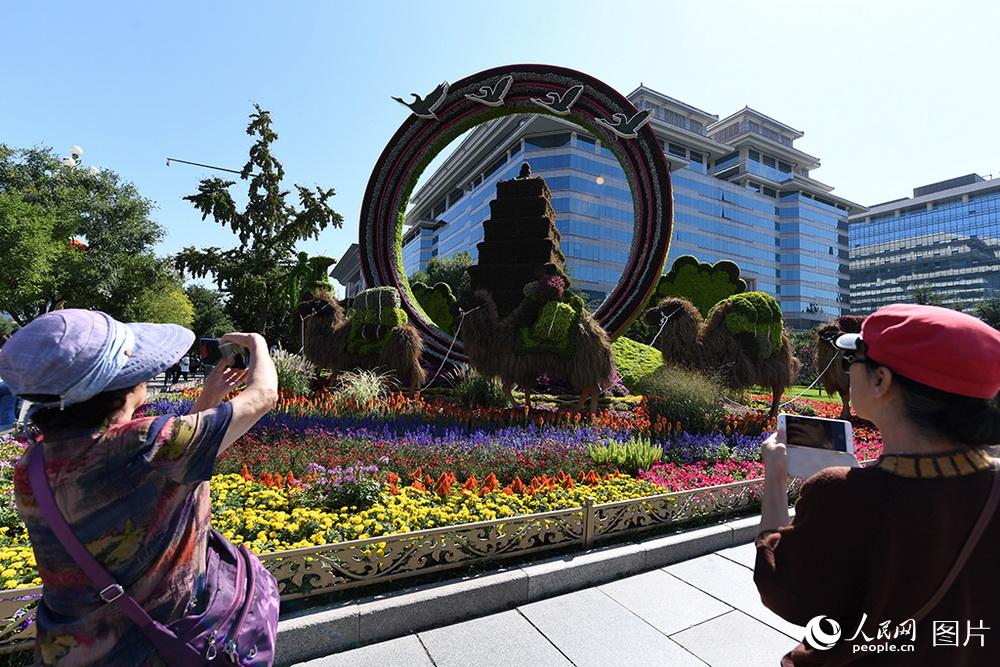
(230, 358)
(211, 351)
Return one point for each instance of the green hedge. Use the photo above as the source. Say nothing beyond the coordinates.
(436, 303)
(702, 284)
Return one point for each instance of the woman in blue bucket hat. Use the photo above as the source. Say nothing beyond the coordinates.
(134, 491)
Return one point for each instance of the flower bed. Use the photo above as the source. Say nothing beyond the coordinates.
(316, 472)
(273, 518)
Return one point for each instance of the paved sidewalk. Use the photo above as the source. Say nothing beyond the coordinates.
(704, 611)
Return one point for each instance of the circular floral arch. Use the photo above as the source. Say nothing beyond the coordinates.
(450, 110)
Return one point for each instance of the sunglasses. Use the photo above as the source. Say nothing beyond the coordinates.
(847, 359)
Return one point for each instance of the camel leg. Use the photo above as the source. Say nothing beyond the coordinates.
(846, 412)
(775, 400)
(589, 394)
(508, 389)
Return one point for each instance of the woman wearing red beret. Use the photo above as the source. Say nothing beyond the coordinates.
(898, 563)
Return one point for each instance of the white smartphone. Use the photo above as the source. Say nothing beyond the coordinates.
(815, 443)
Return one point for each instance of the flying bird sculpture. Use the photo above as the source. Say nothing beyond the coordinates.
(493, 97)
(560, 104)
(625, 127)
(425, 107)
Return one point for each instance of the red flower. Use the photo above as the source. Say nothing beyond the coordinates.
(517, 486)
(443, 486)
(490, 484)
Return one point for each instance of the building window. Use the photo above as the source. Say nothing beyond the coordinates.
(493, 167)
(677, 150)
(727, 160)
(548, 140)
(784, 166)
(696, 157)
(770, 161)
(754, 155)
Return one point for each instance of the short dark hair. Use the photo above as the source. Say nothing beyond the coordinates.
(970, 421)
(88, 414)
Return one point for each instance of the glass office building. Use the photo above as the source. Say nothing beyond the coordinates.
(945, 240)
(742, 192)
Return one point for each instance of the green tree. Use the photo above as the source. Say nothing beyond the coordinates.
(989, 311)
(926, 296)
(7, 327)
(210, 318)
(72, 238)
(804, 347)
(254, 274)
(28, 246)
(451, 271)
(165, 303)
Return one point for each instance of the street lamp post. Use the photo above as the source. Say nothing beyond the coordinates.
(75, 159)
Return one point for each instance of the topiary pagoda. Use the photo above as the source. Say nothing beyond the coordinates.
(520, 241)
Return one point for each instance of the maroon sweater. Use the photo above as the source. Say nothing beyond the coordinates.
(879, 541)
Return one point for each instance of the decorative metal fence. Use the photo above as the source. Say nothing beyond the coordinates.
(326, 569)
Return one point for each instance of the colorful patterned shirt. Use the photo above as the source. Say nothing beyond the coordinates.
(143, 509)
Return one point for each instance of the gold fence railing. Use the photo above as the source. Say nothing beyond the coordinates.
(334, 567)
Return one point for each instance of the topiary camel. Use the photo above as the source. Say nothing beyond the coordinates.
(834, 378)
(548, 332)
(742, 342)
(374, 334)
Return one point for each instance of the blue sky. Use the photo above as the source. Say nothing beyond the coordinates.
(891, 95)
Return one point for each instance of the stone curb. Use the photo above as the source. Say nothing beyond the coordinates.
(322, 631)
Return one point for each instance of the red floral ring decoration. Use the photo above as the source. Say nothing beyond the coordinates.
(452, 109)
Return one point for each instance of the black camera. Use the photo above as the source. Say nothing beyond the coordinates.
(211, 351)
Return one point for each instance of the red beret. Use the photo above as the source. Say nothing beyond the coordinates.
(938, 347)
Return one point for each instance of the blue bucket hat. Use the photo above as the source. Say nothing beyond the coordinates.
(72, 355)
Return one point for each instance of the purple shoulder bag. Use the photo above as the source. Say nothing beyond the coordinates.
(240, 619)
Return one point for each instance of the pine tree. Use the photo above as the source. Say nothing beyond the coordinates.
(253, 275)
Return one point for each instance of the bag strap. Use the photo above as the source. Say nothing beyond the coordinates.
(109, 590)
(970, 544)
(989, 509)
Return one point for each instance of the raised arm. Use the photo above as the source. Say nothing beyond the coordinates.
(261, 392)
(259, 396)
